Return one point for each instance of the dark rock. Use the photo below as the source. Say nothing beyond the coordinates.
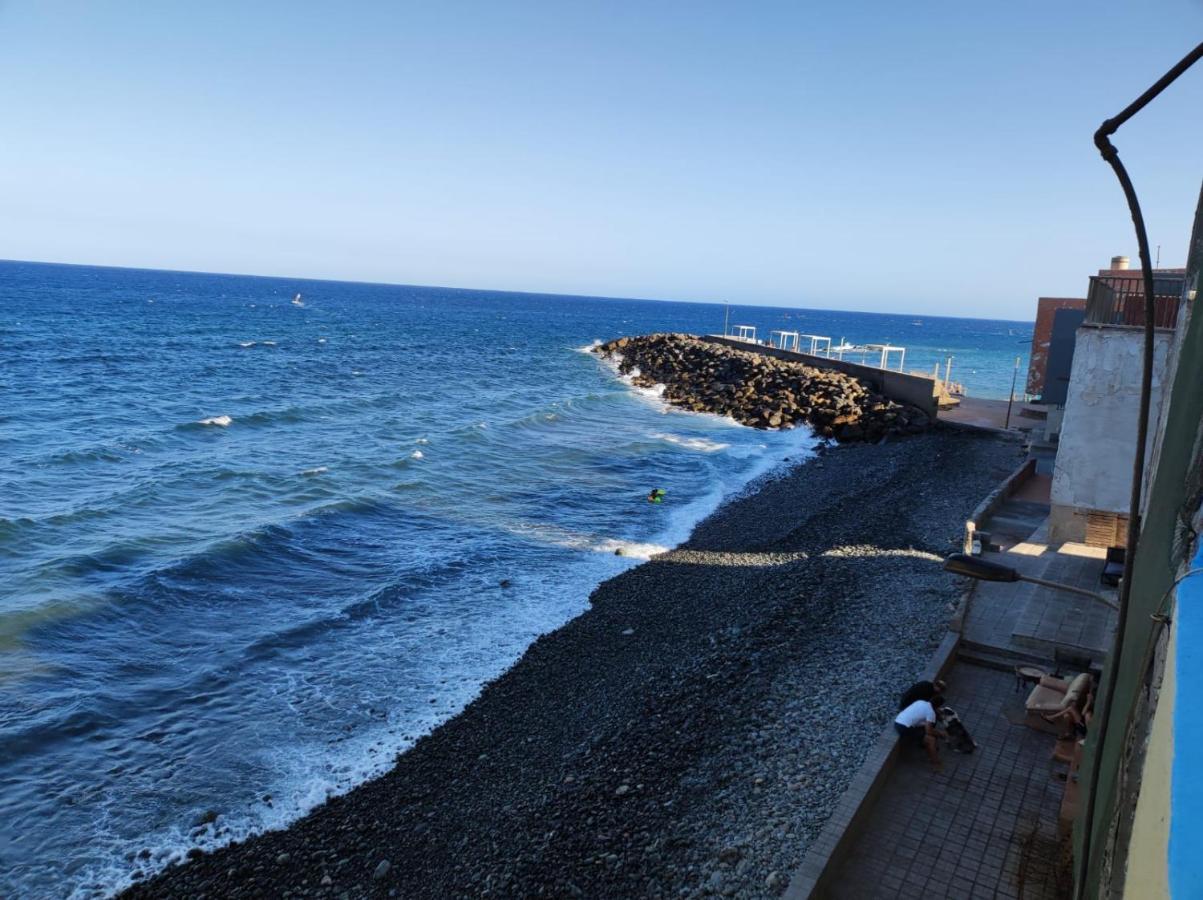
(759, 390)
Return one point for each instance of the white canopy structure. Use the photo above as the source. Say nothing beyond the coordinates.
(746, 333)
(786, 340)
(818, 343)
(886, 350)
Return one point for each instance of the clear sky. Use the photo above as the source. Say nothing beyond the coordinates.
(929, 157)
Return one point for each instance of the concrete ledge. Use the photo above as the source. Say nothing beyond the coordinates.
(917, 390)
(997, 498)
(829, 849)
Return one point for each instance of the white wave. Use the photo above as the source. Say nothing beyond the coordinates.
(417, 454)
(422, 441)
(316, 471)
(589, 348)
(653, 395)
(246, 343)
(356, 373)
(321, 340)
(220, 421)
(704, 445)
(632, 549)
(558, 536)
(269, 343)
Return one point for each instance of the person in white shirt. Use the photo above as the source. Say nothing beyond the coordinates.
(917, 724)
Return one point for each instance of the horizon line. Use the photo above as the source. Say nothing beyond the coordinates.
(443, 287)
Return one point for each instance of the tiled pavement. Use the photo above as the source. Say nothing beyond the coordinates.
(986, 826)
(1029, 620)
(1055, 618)
(994, 607)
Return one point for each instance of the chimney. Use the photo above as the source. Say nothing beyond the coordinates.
(1119, 262)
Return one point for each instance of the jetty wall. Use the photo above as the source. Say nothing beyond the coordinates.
(917, 390)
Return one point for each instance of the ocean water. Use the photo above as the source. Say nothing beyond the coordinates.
(251, 549)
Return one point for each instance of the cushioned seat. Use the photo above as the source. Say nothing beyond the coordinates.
(1052, 695)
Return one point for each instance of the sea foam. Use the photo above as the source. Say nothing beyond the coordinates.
(701, 444)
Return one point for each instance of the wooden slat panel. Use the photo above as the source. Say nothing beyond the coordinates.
(1106, 529)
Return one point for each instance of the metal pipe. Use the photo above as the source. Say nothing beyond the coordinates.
(1057, 585)
(1102, 140)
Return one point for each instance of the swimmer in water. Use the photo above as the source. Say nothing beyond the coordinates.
(656, 495)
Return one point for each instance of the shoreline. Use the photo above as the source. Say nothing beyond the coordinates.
(690, 731)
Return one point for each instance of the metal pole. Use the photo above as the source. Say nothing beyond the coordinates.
(947, 368)
(1011, 398)
(726, 316)
(1056, 585)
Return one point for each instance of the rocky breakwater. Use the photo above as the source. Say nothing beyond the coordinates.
(760, 390)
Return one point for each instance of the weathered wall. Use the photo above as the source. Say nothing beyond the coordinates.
(1149, 847)
(1093, 470)
(917, 390)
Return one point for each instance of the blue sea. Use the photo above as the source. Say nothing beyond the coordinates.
(251, 548)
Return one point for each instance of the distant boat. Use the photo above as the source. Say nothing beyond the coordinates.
(297, 301)
(917, 322)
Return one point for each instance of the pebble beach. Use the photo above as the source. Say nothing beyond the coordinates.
(690, 733)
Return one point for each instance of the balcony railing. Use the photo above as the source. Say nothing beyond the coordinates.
(1120, 299)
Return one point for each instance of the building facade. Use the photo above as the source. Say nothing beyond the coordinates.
(1092, 480)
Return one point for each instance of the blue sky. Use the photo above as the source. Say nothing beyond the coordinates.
(929, 157)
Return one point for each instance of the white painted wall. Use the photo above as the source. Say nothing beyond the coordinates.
(1093, 470)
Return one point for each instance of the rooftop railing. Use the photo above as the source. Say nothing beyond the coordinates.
(1119, 299)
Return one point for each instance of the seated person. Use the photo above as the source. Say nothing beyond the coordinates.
(917, 723)
(1075, 718)
(921, 690)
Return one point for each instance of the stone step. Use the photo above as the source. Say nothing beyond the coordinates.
(1006, 660)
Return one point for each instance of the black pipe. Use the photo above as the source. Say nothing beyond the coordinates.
(1102, 140)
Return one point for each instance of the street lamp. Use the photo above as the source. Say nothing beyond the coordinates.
(984, 570)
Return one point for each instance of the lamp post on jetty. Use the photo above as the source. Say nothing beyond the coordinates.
(1011, 396)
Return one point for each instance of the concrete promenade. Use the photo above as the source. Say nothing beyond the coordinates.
(989, 824)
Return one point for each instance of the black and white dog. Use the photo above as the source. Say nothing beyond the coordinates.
(959, 738)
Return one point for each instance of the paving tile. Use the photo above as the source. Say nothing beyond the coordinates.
(957, 834)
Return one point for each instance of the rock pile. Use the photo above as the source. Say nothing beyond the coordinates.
(760, 390)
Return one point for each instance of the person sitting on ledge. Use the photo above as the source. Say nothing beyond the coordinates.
(917, 724)
(921, 690)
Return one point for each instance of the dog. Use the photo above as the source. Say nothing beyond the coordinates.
(959, 739)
